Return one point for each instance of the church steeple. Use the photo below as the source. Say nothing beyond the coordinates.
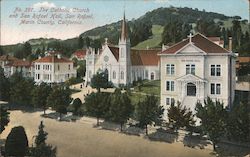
(124, 33)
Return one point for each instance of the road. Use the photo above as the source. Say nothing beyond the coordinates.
(81, 139)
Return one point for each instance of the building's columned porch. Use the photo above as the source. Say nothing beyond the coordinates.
(190, 86)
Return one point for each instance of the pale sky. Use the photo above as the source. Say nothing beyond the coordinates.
(101, 12)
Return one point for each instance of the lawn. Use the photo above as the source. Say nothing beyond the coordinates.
(148, 87)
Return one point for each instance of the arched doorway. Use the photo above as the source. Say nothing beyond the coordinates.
(152, 76)
(106, 72)
(191, 89)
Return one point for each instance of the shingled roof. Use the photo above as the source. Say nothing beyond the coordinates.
(199, 41)
(13, 61)
(145, 57)
(7, 58)
(115, 51)
(139, 57)
(80, 53)
(49, 59)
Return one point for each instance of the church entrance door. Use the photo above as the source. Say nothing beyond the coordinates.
(152, 77)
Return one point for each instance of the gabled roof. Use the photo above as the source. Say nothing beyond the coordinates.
(13, 61)
(199, 41)
(80, 53)
(145, 57)
(7, 58)
(54, 59)
(17, 63)
(115, 51)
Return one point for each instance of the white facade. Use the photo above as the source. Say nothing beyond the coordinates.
(12, 65)
(193, 72)
(53, 69)
(123, 64)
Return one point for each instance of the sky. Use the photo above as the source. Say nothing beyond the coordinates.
(98, 12)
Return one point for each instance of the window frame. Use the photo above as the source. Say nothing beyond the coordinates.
(170, 69)
(215, 70)
(170, 86)
(215, 88)
(190, 69)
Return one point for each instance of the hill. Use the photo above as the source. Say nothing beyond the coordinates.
(156, 19)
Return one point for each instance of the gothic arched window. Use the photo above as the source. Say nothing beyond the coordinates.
(122, 75)
(114, 75)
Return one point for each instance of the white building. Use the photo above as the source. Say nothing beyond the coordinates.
(123, 64)
(194, 69)
(53, 69)
(12, 65)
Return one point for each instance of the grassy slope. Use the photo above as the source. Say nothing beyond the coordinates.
(154, 41)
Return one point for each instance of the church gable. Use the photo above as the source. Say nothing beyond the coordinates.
(108, 56)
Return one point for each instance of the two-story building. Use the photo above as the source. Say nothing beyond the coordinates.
(194, 69)
(53, 69)
(12, 65)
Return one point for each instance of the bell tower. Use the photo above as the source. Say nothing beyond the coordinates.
(124, 54)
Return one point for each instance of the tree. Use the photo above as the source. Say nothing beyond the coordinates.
(81, 70)
(40, 94)
(59, 99)
(77, 103)
(141, 30)
(179, 116)
(42, 135)
(27, 48)
(4, 118)
(41, 148)
(4, 86)
(20, 92)
(80, 42)
(207, 27)
(238, 122)
(121, 107)
(172, 32)
(148, 112)
(212, 116)
(96, 104)
(236, 34)
(100, 80)
(16, 143)
(1, 51)
(87, 41)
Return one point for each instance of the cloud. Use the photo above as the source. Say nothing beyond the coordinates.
(44, 4)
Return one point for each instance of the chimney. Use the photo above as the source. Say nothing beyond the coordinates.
(58, 56)
(163, 47)
(39, 57)
(230, 44)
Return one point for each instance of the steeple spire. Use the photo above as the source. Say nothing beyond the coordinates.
(124, 33)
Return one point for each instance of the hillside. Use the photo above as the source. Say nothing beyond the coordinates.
(158, 18)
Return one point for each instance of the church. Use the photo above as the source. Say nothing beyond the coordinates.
(123, 64)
